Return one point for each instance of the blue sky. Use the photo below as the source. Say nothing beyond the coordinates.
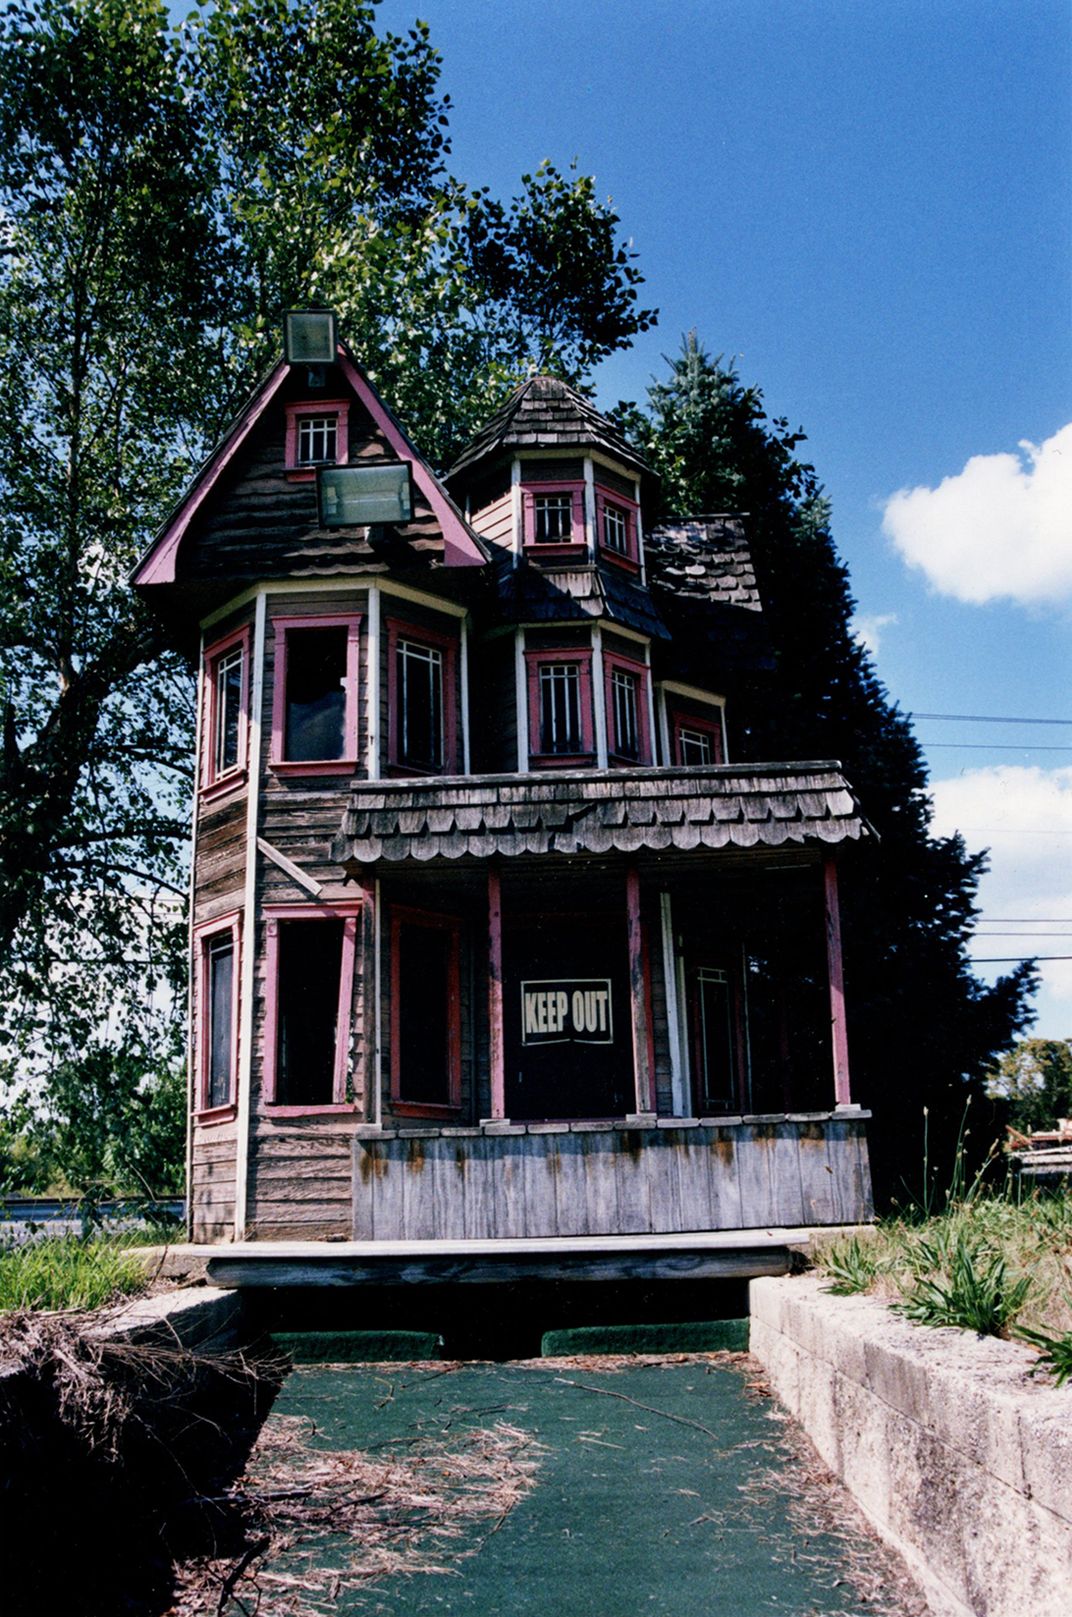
(869, 206)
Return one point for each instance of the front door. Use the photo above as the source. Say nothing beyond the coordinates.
(567, 1024)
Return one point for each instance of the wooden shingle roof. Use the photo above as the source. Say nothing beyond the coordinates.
(530, 594)
(703, 559)
(762, 806)
(546, 413)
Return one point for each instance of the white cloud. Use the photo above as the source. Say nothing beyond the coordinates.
(1000, 528)
(867, 628)
(1024, 816)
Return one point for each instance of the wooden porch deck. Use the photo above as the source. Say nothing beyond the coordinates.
(714, 1255)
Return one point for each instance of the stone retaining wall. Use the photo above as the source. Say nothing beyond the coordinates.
(959, 1458)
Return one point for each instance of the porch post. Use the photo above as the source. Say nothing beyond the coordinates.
(495, 994)
(638, 998)
(838, 1037)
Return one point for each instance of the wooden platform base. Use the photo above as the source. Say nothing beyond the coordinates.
(718, 1255)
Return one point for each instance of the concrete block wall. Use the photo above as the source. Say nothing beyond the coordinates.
(958, 1457)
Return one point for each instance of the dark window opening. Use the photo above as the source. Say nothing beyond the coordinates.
(309, 971)
(315, 694)
(420, 705)
(425, 1007)
(560, 708)
(221, 957)
(714, 1061)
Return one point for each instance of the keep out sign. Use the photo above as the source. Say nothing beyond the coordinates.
(569, 1011)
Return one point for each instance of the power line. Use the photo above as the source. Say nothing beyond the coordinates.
(995, 746)
(984, 718)
(1005, 959)
(1023, 920)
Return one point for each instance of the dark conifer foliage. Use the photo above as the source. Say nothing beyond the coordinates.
(922, 1028)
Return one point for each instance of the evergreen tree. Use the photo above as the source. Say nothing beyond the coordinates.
(923, 1030)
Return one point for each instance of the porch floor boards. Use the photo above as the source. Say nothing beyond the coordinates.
(692, 1255)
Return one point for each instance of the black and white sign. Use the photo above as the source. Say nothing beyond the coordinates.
(574, 1010)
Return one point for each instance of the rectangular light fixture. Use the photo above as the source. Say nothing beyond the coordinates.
(310, 336)
(358, 496)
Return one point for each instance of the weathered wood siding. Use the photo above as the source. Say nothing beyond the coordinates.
(212, 1183)
(301, 1180)
(599, 1179)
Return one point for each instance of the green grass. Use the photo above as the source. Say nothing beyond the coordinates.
(990, 1263)
(68, 1271)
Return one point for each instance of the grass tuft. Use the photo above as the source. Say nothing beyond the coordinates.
(68, 1272)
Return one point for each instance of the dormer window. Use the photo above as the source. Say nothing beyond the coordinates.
(561, 727)
(615, 530)
(317, 435)
(628, 734)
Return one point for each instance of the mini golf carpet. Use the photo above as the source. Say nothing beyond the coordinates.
(554, 1489)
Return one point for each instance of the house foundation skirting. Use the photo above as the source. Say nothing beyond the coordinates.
(506, 1181)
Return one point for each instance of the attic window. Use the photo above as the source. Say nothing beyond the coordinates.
(616, 522)
(317, 435)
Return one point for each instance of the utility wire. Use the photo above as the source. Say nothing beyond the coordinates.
(988, 746)
(984, 718)
(1005, 959)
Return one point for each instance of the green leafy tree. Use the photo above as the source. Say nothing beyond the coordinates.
(1034, 1080)
(164, 196)
(923, 1030)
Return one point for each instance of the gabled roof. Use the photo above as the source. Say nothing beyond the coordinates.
(546, 413)
(461, 546)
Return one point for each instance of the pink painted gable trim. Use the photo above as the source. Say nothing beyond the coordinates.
(158, 565)
(459, 547)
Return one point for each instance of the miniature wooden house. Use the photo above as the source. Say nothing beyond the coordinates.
(491, 936)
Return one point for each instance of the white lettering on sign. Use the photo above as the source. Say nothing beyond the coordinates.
(568, 1011)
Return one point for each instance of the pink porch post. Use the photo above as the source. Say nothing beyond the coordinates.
(838, 1037)
(638, 997)
(495, 994)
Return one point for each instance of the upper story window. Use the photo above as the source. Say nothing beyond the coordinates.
(553, 518)
(317, 438)
(423, 724)
(696, 741)
(560, 707)
(618, 528)
(317, 435)
(314, 705)
(628, 738)
(225, 711)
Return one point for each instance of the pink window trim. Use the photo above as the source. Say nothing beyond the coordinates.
(204, 932)
(398, 630)
(326, 766)
(349, 911)
(400, 916)
(629, 559)
(534, 660)
(687, 721)
(213, 785)
(340, 408)
(611, 661)
(560, 548)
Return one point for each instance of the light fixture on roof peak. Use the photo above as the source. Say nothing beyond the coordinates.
(377, 492)
(310, 337)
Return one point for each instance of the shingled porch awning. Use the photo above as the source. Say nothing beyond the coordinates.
(599, 811)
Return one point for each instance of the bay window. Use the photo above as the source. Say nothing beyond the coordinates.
(225, 712)
(628, 731)
(422, 699)
(560, 707)
(217, 955)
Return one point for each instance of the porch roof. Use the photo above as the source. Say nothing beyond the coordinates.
(599, 811)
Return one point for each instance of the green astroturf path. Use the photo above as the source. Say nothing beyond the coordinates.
(635, 1509)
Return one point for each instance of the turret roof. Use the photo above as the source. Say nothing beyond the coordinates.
(546, 413)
